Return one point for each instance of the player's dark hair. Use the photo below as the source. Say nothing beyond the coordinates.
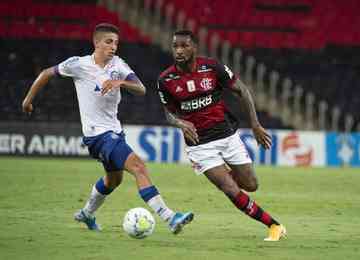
(186, 33)
(106, 27)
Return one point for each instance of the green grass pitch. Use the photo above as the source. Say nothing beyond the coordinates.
(319, 207)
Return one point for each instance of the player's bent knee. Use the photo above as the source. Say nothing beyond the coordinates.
(250, 181)
(113, 179)
(135, 165)
(139, 169)
(252, 185)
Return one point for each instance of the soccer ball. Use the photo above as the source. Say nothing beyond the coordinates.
(139, 223)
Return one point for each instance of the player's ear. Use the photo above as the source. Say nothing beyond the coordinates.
(95, 41)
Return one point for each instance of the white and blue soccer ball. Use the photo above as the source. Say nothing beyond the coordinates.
(139, 223)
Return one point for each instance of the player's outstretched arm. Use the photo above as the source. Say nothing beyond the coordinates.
(187, 127)
(37, 85)
(134, 87)
(243, 93)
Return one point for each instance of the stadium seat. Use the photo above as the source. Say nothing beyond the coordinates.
(32, 19)
(309, 17)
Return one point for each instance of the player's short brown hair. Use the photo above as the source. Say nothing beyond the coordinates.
(105, 28)
(187, 33)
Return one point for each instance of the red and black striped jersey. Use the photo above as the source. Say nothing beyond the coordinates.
(197, 97)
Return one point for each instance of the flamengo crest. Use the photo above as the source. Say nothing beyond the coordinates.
(206, 83)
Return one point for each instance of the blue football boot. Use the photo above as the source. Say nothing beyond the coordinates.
(90, 221)
(179, 220)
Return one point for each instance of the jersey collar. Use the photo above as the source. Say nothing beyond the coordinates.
(193, 69)
(110, 62)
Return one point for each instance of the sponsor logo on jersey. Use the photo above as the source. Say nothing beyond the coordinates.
(204, 68)
(178, 89)
(196, 103)
(97, 88)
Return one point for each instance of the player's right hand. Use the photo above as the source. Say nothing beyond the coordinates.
(110, 84)
(27, 106)
(189, 131)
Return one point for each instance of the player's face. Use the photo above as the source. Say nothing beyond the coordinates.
(106, 44)
(183, 50)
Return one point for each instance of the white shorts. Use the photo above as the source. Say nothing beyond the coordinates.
(230, 150)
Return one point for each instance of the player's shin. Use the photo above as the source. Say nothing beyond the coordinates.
(243, 202)
(153, 198)
(97, 197)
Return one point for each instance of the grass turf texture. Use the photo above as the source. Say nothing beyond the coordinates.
(320, 208)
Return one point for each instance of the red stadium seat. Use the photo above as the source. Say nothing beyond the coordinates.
(233, 37)
(276, 40)
(3, 29)
(47, 29)
(234, 15)
(247, 39)
(290, 41)
(32, 19)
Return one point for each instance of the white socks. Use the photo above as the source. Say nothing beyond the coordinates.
(159, 206)
(95, 201)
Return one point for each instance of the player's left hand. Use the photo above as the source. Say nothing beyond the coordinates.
(109, 85)
(262, 137)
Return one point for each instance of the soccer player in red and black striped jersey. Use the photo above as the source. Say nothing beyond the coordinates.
(191, 91)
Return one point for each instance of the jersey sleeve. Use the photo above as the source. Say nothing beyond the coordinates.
(165, 96)
(225, 76)
(125, 72)
(69, 67)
